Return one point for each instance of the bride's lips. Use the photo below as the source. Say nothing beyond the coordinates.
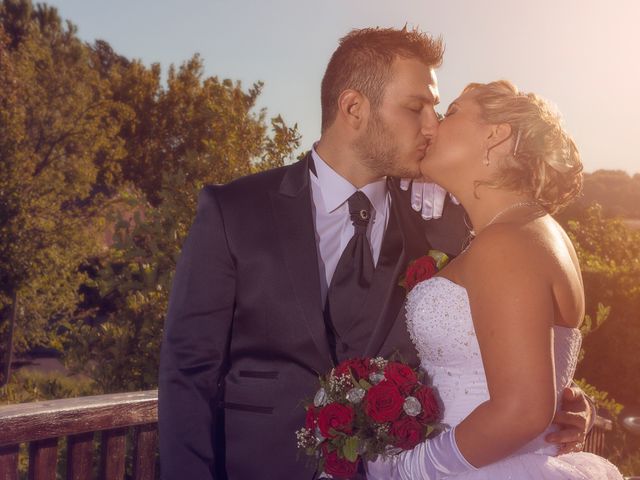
(430, 144)
(425, 146)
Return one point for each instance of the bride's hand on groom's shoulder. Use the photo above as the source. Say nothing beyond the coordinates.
(575, 418)
(426, 197)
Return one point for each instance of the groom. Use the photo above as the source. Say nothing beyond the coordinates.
(289, 271)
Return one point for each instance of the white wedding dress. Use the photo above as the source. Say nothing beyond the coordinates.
(440, 324)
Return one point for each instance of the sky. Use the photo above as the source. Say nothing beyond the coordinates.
(580, 54)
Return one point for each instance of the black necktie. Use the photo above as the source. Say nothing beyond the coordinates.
(352, 278)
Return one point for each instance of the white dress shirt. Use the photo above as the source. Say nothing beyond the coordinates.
(334, 229)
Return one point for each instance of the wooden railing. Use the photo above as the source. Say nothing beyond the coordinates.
(41, 425)
(596, 439)
(113, 418)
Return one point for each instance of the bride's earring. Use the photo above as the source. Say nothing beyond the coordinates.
(486, 158)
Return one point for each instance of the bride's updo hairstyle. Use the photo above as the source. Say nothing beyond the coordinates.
(545, 162)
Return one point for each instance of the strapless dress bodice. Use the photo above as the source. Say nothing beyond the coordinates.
(441, 326)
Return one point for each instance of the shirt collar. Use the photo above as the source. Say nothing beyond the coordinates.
(336, 190)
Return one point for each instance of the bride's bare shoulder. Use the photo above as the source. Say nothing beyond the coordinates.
(506, 248)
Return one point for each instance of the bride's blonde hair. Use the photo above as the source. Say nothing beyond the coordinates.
(545, 161)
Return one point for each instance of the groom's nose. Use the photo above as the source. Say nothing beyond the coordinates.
(430, 122)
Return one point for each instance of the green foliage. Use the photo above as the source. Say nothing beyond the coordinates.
(601, 399)
(152, 217)
(629, 464)
(56, 119)
(31, 386)
(616, 191)
(621, 447)
(203, 128)
(92, 142)
(609, 254)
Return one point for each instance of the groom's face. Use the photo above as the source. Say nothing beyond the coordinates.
(402, 126)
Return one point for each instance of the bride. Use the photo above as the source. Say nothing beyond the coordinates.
(512, 302)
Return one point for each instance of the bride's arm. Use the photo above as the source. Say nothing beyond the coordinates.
(512, 307)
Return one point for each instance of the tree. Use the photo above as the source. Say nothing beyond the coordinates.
(205, 132)
(609, 254)
(188, 118)
(616, 191)
(85, 134)
(56, 118)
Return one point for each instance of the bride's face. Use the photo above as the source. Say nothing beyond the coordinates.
(458, 149)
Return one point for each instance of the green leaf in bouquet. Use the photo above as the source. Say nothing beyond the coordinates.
(441, 258)
(429, 430)
(350, 449)
(324, 383)
(364, 384)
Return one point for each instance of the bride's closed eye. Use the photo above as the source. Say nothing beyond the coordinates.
(453, 108)
(450, 111)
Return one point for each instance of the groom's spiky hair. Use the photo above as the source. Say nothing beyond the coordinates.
(363, 62)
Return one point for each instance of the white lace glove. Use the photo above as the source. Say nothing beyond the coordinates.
(433, 459)
(426, 197)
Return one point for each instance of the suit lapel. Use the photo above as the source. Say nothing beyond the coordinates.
(294, 221)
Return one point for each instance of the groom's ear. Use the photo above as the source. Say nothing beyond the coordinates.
(353, 108)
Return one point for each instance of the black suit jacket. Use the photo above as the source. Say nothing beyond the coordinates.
(245, 338)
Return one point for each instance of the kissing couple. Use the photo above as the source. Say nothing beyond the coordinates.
(289, 272)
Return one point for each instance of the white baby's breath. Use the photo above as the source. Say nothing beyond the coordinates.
(379, 362)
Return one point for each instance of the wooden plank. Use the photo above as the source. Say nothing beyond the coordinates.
(80, 456)
(603, 423)
(595, 441)
(144, 453)
(59, 418)
(43, 459)
(112, 458)
(9, 456)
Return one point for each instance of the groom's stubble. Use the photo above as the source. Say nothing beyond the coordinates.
(379, 151)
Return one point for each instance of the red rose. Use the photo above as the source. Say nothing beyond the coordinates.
(383, 402)
(430, 409)
(336, 416)
(360, 367)
(311, 419)
(336, 466)
(419, 270)
(402, 375)
(406, 433)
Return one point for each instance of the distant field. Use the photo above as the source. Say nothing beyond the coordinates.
(635, 224)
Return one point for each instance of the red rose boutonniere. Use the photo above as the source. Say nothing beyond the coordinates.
(423, 268)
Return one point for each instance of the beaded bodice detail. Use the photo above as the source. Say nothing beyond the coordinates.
(440, 324)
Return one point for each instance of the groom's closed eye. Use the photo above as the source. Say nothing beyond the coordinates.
(415, 107)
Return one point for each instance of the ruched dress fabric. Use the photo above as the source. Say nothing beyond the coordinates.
(440, 324)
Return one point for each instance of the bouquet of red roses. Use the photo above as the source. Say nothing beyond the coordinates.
(366, 407)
